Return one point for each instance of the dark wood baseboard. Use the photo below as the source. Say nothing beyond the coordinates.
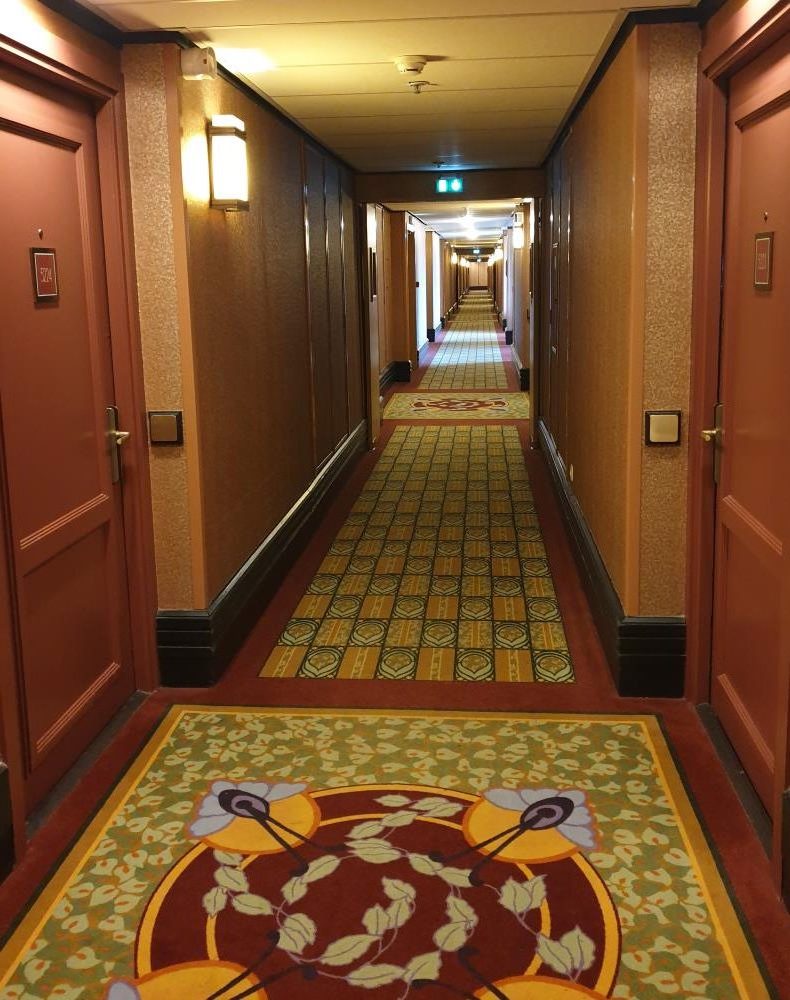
(195, 647)
(396, 371)
(508, 336)
(646, 654)
(739, 779)
(786, 847)
(433, 330)
(521, 371)
(6, 824)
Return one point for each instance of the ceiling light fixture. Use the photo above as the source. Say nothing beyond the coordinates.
(227, 144)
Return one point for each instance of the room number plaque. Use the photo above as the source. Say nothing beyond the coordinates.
(44, 266)
(763, 260)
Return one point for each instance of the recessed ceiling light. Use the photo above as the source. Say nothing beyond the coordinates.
(247, 61)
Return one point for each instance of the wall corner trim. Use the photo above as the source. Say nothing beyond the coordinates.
(646, 654)
(195, 647)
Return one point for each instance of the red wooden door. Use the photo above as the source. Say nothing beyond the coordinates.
(750, 632)
(56, 382)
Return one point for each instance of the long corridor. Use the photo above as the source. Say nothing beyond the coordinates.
(394, 574)
(442, 561)
(439, 571)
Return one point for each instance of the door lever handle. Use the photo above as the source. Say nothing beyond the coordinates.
(120, 436)
(711, 434)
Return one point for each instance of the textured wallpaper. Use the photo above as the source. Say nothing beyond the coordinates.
(670, 235)
(150, 159)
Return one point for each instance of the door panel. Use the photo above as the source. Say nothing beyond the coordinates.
(55, 384)
(754, 493)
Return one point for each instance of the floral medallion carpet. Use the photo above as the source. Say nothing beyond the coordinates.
(457, 406)
(303, 854)
(439, 573)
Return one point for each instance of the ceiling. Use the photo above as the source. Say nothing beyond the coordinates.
(456, 220)
(504, 74)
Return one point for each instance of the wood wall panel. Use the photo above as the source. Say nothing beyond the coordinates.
(337, 319)
(351, 298)
(275, 326)
(249, 329)
(592, 178)
(618, 291)
(318, 280)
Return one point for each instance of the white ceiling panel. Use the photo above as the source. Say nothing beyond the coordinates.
(172, 13)
(454, 74)
(334, 128)
(454, 139)
(370, 42)
(504, 75)
(429, 102)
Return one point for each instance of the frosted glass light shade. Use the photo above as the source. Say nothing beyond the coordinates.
(227, 138)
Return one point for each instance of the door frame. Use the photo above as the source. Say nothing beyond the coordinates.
(92, 70)
(728, 45)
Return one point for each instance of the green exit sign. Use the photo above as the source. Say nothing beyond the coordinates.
(449, 185)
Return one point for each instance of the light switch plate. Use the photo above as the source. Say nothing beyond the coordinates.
(662, 427)
(165, 427)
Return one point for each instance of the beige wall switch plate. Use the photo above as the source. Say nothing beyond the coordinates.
(662, 427)
(165, 427)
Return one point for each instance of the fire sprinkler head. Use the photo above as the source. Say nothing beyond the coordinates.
(417, 86)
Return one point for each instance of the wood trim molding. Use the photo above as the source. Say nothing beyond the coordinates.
(706, 318)
(738, 34)
(195, 647)
(785, 847)
(646, 654)
(61, 53)
(129, 384)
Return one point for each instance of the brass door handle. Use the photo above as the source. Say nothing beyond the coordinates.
(120, 436)
(711, 434)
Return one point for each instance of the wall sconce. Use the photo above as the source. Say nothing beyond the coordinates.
(454, 258)
(227, 143)
(518, 237)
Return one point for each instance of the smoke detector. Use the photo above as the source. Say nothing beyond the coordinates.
(199, 64)
(417, 86)
(411, 65)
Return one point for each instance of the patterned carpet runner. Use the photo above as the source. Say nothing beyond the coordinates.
(469, 356)
(457, 406)
(319, 855)
(439, 572)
